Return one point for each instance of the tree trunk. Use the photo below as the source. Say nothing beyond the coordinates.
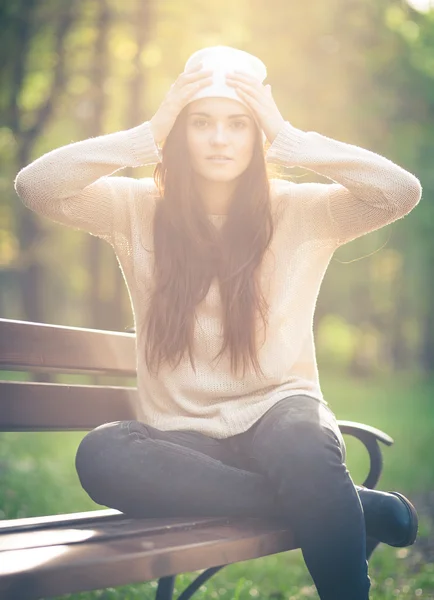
(99, 70)
(30, 234)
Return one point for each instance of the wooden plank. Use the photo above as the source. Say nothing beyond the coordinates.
(37, 347)
(60, 407)
(37, 573)
(95, 530)
(38, 523)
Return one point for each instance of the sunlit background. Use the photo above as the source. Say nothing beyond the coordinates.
(422, 5)
(360, 71)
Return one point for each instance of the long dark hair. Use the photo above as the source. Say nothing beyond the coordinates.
(190, 251)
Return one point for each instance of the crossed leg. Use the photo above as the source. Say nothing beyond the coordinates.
(145, 472)
(288, 465)
(298, 447)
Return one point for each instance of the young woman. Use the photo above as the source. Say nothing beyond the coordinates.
(224, 265)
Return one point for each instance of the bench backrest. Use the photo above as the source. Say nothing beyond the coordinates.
(41, 348)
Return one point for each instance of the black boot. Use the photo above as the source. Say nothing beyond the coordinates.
(389, 517)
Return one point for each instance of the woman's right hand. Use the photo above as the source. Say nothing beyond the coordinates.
(181, 91)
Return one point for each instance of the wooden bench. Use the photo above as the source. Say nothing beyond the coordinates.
(53, 555)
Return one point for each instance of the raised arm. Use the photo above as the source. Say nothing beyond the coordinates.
(72, 184)
(369, 192)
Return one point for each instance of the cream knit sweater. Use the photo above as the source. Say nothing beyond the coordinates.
(72, 185)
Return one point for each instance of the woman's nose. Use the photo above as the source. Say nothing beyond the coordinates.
(219, 135)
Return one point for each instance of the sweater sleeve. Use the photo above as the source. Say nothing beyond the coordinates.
(72, 184)
(369, 191)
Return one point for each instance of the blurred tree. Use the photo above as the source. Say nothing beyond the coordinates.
(98, 106)
(360, 71)
(26, 117)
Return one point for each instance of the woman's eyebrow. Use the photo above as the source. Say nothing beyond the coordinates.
(202, 114)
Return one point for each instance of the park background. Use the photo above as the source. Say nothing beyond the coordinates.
(360, 71)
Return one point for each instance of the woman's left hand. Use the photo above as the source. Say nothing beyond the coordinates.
(259, 98)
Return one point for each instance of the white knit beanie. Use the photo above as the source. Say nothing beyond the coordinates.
(222, 60)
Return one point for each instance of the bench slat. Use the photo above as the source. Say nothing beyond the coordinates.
(61, 407)
(96, 530)
(95, 517)
(81, 518)
(38, 347)
(36, 573)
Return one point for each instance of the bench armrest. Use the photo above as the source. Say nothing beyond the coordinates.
(369, 436)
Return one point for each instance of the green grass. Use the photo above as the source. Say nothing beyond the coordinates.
(37, 477)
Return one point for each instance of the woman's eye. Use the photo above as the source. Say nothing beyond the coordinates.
(199, 122)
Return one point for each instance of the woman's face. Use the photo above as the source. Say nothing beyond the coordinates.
(220, 127)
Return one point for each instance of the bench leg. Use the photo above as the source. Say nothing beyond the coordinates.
(200, 580)
(166, 585)
(165, 588)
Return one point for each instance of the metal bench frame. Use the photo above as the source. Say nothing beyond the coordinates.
(104, 548)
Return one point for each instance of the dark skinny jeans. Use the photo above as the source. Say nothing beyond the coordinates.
(290, 464)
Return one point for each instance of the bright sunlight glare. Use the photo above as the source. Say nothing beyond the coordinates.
(421, 5)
